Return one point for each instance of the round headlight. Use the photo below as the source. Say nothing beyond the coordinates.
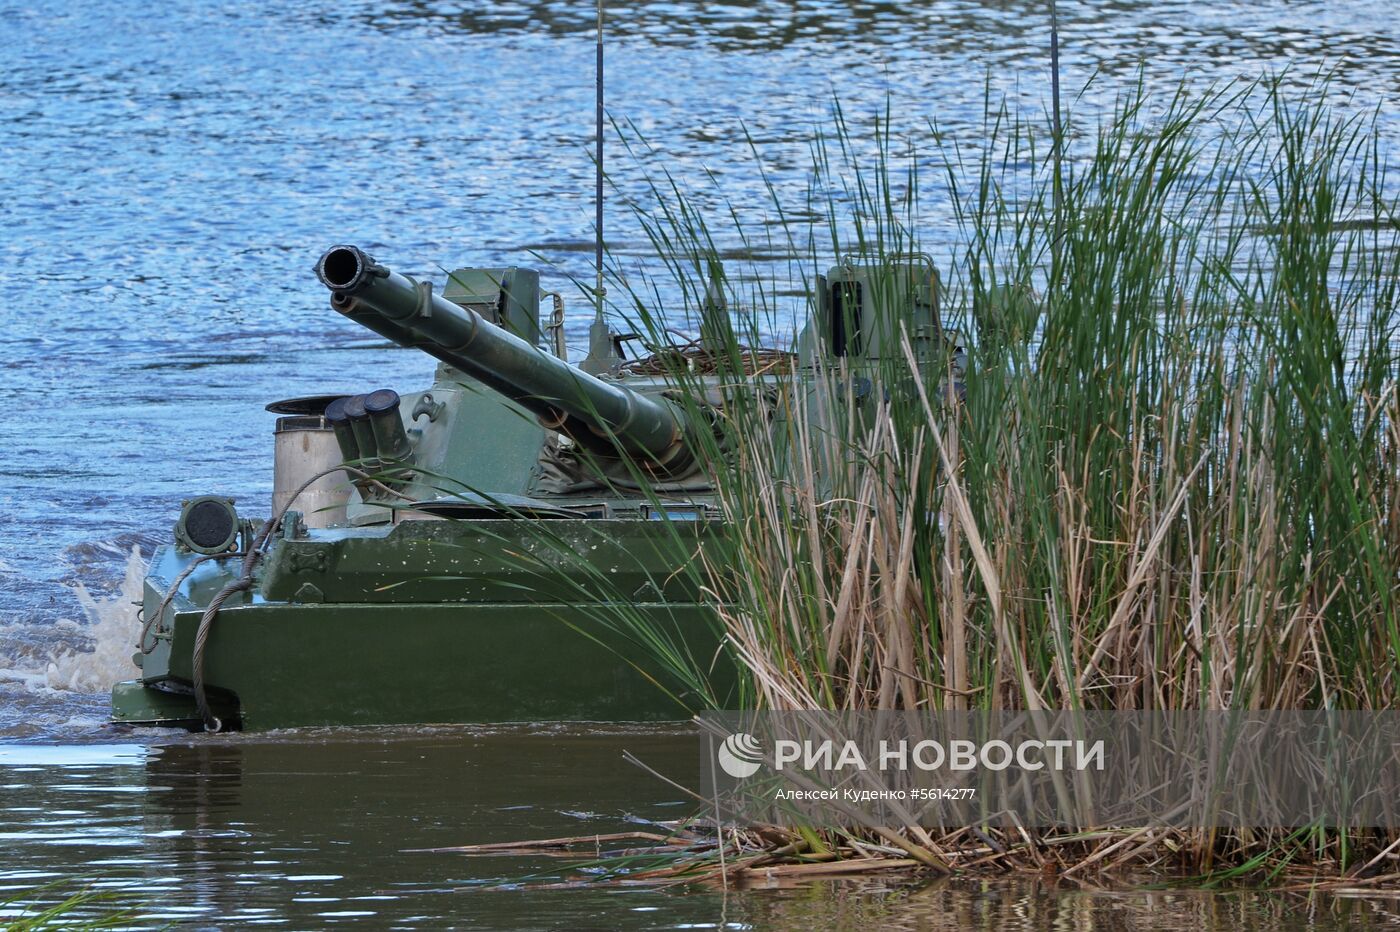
(208, 524)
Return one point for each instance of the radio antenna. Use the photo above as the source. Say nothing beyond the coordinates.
(598, 172)
(602, 352)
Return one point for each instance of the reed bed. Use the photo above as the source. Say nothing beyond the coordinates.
(697, 852)
(1171, 481)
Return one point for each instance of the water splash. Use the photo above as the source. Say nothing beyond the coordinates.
(112, 627)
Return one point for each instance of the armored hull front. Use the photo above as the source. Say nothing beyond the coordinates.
(429, 621)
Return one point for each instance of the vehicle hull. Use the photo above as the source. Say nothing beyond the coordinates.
(530, 656)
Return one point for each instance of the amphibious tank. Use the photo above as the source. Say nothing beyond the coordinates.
(456, 553)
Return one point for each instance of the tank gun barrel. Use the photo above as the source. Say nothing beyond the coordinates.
(564, 398)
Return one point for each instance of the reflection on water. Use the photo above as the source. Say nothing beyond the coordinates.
(310, 830)
(1114, 34)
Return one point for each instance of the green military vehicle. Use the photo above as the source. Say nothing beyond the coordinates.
(452, 554)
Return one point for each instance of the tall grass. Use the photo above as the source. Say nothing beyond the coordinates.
(1172, 482)
(1174, 479)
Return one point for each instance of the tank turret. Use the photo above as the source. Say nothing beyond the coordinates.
(600, 415)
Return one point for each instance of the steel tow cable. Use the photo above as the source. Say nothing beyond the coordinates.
(212, 723)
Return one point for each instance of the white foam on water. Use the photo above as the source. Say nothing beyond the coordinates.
(29, 679)
(112, 626)
(74, 755)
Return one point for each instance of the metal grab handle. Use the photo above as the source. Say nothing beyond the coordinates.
(845, 259)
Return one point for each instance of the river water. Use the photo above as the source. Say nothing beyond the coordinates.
(170, 172)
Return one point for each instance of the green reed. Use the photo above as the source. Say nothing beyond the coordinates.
(52, 906)
(1174, 480)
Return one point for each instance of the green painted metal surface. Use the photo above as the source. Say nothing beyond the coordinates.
(294, 665)
(435, 621)
(135, 703)
(502, 560)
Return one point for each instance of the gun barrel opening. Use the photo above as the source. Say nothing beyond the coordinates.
(342, 267)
